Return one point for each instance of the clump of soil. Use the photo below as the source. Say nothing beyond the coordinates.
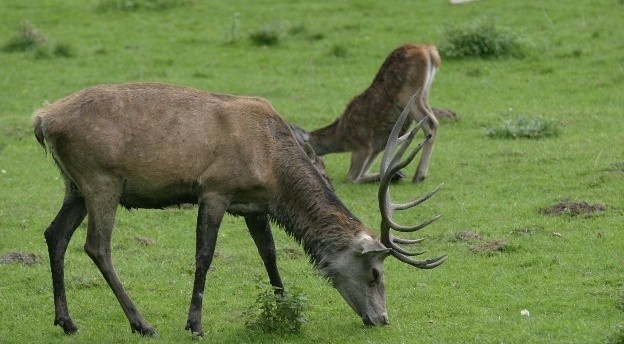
(574, 208)
(20, 258)
(467, 235)
(145, 241)
(489, 247)
(291, 253)
(525, 231)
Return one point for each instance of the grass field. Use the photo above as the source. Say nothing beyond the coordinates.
(507, 251)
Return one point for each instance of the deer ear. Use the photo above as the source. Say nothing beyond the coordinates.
(376, 249)
(309, 151)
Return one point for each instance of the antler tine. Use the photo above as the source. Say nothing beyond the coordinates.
(406, 252)
(422, 264)
(394, 139)
(406, 229)
(404, 241)
(417, 201)
(390, 164)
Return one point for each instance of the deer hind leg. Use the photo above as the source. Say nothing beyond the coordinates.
(260, 231)
(102, 207)
(209, 219)
(361, 162)
(430, 128)
(58, 235)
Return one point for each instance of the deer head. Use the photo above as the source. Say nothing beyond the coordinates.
(358, 273)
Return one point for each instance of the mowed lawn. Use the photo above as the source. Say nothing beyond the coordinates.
(533, 228)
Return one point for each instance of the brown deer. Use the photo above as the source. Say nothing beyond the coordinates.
(364, 126)
(150, 145)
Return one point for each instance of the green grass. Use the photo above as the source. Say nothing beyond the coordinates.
(484, 39)
(524, 127)
(567, 271)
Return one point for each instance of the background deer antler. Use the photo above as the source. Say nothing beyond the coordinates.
(390, 164)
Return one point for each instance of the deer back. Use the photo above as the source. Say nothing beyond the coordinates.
(167, 143)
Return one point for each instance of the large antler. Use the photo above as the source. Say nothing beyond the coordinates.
(390, 164)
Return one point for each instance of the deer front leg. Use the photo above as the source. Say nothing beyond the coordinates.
(361, 161)
(430, 127)
(57, 235)
(260, 231)
(209, 219)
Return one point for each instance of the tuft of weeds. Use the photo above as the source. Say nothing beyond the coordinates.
(27, 37)
(481, 39)
(524, 127)
(275, 313)
(619, 301)
(491, 247)
(60, 50)
(138, 5)
(80, 282)
(616, 336)
(63, 50)
(233, 32)
(618, 166)
(269, 35)
(339, 50)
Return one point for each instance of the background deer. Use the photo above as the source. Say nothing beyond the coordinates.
(154, 145)
(364, 126)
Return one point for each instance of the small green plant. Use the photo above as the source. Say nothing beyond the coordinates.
(619, 302)
(27, 37)
(339, 50)
(483, 39)
(63, 50)
(618, 166)
(524, 127)
(233, 32)
(275, 313)
(616, 336)
(269, 35)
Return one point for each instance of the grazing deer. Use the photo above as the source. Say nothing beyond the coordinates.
(365, 124)
(150, 145)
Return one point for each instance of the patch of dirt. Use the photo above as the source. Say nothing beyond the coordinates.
(291, 253)
(489, 247)
(525, 231)
(145, 241)
(574, 208)
(467, 235)
(29, 259)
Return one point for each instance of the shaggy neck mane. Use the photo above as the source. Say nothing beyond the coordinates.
(309, 211)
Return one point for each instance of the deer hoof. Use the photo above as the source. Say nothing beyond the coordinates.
(398, 176)
(418, 179)
(67, 325)
(195, 328)
(143, 329)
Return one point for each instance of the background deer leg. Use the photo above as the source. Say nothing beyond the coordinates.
(209, 219)
(430, 127)
(102, 208)
(58, 235)
(260, 231)
(361, 162)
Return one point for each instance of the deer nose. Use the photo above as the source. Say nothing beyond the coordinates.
(375, 320)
